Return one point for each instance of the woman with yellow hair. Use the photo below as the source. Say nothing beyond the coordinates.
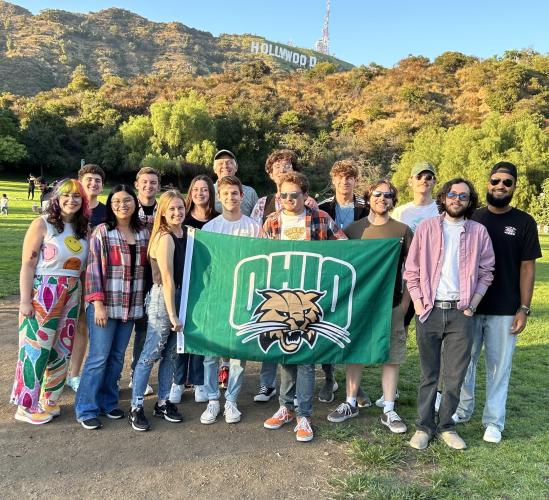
(54, 255)
(167, 256)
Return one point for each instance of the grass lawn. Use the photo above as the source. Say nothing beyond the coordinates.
(384, 466)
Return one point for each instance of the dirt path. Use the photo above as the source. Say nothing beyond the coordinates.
(61, 459)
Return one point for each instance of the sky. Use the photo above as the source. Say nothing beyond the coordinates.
(361, 31)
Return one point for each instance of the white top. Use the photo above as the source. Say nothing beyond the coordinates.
(245, 226)
(292, 227)
(248, 202)
(448, 286)
(3, 202)
(412, 214)
(61, 254)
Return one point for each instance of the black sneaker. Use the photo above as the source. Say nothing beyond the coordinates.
(167, 411)
(343, 412)
(91, 423)
(265, 394)
(115, 414)
(138, 420)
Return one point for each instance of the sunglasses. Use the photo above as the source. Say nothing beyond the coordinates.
(294, 195)
(427, 177)
(387, 195)
(506, 182)
(461, 196)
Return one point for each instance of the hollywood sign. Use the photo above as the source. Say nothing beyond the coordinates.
(270, 49)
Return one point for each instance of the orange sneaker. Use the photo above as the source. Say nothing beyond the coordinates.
(54, 410)
(36, 418)
(281, 417)
(303, 430)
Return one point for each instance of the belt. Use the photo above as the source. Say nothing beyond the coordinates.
(446, 304)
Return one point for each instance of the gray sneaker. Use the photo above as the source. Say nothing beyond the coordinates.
(326, 394)
(453, 440)
(420, 440)
(343, 412)
(394, 422)
(362, 399)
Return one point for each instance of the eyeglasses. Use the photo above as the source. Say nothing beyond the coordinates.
(506, 182)
(294, 195)
(461, 196)
(386, 194)
(125, 202)
(427, 177)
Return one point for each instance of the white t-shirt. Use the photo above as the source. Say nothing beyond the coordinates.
(245, 226)
(448, 286)
(292, 227)
(412, 214)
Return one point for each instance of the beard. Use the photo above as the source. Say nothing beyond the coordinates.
(456, 212)
(498, 202)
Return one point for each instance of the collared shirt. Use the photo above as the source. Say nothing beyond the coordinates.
(318, 224)
(424, 262)
(109, 276)
(248, 202)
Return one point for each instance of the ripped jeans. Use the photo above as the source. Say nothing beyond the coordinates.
(160, 344)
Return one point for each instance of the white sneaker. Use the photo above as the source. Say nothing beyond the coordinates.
(460, 420)
(210, 413)
(438, 400)
(232, 415)
(381, 401)
(73, 383)
(492, 434)
(176, 392)
(200, 394)
(149, 390)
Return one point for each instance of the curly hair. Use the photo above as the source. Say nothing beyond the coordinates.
(345, 168)
(446, 188)
(111, 221)
(189, 203)
(81, 218)
(374, 185)
(281, 154)
(91, 168)
(298, 179)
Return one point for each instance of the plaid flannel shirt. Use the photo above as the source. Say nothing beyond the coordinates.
(109, 275)
(319, 226)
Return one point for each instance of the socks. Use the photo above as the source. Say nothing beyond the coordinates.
(388, 406)
(351, 401)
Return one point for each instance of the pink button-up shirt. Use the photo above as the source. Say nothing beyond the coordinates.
(424, 262)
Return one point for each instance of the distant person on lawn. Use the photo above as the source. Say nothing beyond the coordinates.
(503, 312)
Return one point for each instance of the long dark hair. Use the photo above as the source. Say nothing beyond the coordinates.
(80, 219)
(189, 203)
(444, 190)
(135, 223)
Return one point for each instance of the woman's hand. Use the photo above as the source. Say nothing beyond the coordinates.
(100, 314)
(26, 309)
(177, 326)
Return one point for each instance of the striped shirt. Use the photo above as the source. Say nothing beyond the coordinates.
(109, 276)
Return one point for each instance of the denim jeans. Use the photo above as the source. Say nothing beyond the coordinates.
(98, 389)
(236, 377)
(297, 381)
(267, 375)
(454, 328)
(160, 344)
(189, 369)
(499, 345)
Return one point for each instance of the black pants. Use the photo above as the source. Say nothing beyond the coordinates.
(454, 328)
(139, 339)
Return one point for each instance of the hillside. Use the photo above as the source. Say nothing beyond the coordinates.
(40, 52)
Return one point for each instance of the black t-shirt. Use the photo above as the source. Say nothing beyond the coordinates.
(98, 215)
(515, 239)
(197, 224)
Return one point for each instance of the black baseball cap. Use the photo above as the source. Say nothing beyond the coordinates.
(506, 167)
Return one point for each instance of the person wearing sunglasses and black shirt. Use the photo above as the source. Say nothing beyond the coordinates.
(504, 310)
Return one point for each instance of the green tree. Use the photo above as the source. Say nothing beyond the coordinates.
(11, 151)
(136, 134)
(80, 80)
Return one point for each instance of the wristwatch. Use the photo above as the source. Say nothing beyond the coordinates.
(525, 309)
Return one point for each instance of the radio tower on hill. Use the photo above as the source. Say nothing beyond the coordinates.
(323, 45)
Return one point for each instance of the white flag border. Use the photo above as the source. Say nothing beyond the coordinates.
(185, 283)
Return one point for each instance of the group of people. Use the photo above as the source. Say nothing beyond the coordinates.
(466, 275)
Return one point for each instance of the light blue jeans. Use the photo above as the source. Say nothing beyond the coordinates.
(297, 381)
(236, 377)
(499, 344)
(160, 344)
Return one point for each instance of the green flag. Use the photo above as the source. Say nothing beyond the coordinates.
(293, 302)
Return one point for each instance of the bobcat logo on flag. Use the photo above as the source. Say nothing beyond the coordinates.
(290, 317)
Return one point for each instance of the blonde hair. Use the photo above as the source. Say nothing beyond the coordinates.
(160, 226)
